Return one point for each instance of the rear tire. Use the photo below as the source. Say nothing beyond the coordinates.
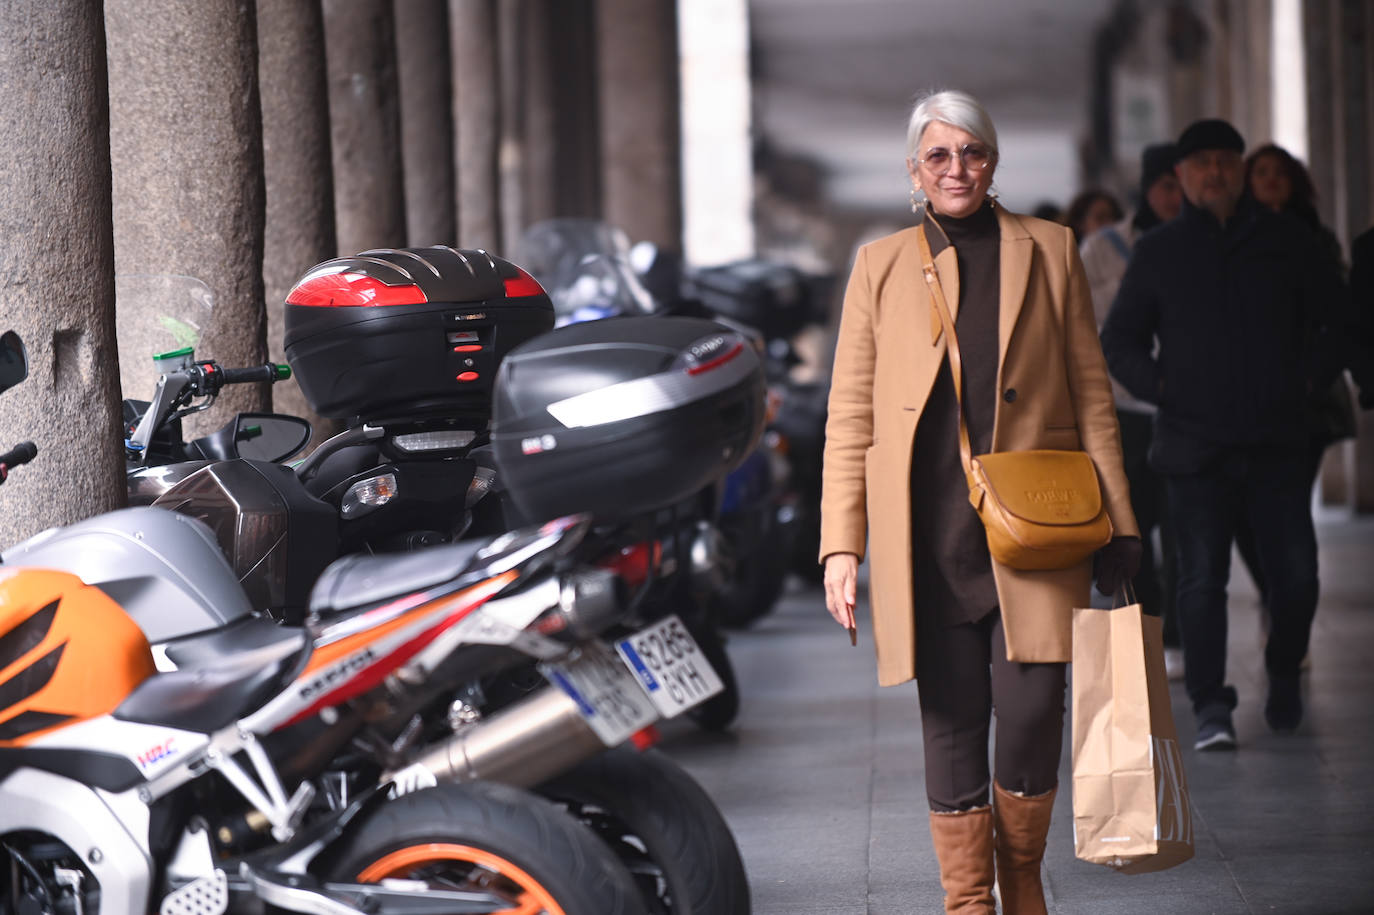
(505, 839)
(663, 826)
(718, 712)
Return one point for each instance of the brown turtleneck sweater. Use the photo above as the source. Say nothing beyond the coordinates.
(951, 568)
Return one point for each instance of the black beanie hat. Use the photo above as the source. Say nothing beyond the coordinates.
(1209, 133)
(1156, 161)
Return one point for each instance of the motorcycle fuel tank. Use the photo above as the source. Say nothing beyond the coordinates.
(166, 570)
(624, 416)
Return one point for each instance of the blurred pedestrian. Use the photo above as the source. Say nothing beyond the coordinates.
(1236, 299)
(1105, 254)
(1362, 315)
(1280, 182)
(1048, 210)
(1091, 210)
(976, 635)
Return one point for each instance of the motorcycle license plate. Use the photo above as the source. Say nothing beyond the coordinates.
(607, 693)
(670, 666)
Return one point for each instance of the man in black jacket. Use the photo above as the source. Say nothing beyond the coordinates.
(1220, 322)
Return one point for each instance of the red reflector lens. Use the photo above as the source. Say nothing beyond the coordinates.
(334, 290)
(518, 287)
(645, 737)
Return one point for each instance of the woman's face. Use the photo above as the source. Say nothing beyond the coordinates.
(1269, 182)
(954, 186)
(1100, 214)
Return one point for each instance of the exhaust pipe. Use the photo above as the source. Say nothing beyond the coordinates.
(522, 745)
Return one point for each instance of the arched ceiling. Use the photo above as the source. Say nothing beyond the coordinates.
(834, 81)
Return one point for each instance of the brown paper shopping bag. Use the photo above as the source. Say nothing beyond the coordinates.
(1130, 797)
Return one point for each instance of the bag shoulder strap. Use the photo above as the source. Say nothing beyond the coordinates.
(956, 366)
(1113, 236)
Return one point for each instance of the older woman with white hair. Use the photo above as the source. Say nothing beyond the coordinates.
(980, 637)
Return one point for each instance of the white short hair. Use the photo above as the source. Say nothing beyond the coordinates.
(952, 107)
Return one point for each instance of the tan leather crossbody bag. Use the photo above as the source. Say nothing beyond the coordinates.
(1041, 509)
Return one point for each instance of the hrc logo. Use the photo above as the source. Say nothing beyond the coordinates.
(157, 753)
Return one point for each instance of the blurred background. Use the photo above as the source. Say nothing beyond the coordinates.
(241, 142)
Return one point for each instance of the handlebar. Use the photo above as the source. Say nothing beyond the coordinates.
(21, 453)
(215, 377)
(175, 390)
(267, 372)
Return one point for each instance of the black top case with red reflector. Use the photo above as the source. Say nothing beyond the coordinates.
(409, 333)
(624, 416)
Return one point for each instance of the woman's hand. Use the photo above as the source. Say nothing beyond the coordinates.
(1117, 563)
(841, 581)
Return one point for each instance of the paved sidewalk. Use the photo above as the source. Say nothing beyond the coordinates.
(821, 778)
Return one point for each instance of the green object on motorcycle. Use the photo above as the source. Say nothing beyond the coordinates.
(175, 359)
(283, 372)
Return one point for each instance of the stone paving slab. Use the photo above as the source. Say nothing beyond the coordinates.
(821, 777)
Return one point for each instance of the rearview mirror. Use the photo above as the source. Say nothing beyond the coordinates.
(14, 360)
(269, 436)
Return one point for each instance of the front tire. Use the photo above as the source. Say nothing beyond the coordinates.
(663, 826)
(494, 838)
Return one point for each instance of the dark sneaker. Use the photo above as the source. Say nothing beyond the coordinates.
(1283, 709)
(1214, 731)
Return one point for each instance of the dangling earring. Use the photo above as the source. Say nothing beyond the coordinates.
(918, 205)
(992, 197)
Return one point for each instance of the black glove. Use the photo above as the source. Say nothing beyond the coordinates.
(1116, 563)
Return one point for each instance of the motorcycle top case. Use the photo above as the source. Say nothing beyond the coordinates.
(409, 333)
(624, 416)
(773, 298)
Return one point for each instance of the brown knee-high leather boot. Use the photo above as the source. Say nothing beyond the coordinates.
(963, 844)
(1022, 823)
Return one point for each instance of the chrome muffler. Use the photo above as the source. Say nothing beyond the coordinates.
(524, 744)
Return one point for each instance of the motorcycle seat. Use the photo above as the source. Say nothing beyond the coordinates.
(355, 581)
(222, 674)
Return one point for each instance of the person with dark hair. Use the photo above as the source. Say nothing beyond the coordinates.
(1222, 322)
(1091, 210)
(1105, 254)
(1281, 183)
(976, 634)
(1049, 211)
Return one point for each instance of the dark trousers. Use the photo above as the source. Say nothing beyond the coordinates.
(1268, 490)
(963, 677)
(1245, 538)
(1154, 584)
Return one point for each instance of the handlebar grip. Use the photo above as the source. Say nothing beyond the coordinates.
(21, 453)
(267, 372)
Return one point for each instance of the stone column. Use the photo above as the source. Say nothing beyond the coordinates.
(638, 75)
(423, 68)
(186, 151)
(476, 121)
(299, 176)
(57, 267)
(365, 128)
(576, 104)
(541, 161)
(510, 160)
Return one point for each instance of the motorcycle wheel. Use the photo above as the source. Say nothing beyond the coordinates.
(757, 586)
(663, 826)
(718, 712)
(493, 838)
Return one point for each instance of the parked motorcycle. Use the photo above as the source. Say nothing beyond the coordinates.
(189, 779)
(396, 475)
(589, 269)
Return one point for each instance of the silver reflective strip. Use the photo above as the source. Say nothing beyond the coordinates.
(645, 396)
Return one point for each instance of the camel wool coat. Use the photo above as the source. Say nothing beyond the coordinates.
(1053, 393)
